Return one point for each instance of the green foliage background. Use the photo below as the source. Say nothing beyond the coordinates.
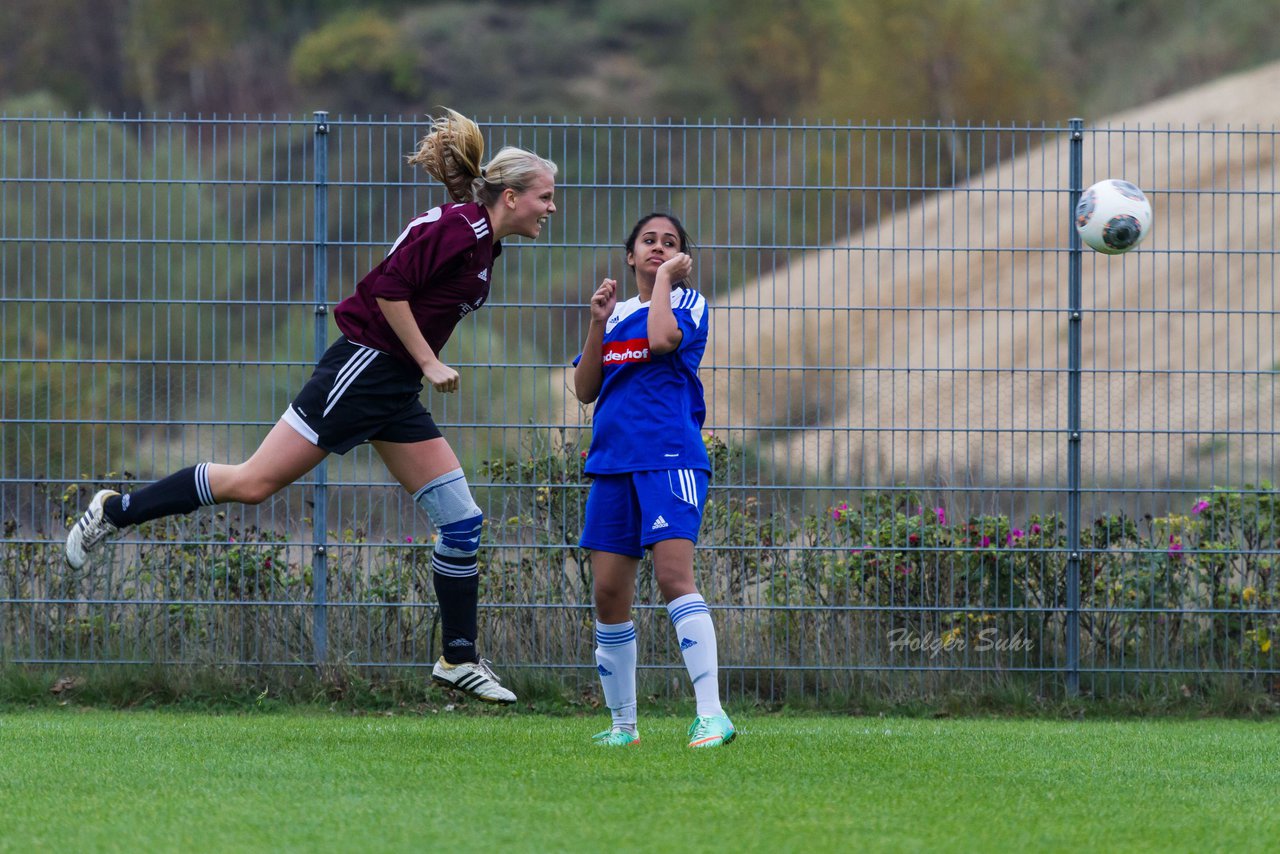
(966, 60)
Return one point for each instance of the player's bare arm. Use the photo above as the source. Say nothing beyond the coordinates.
(664, 332)
(589, 372)
(400, 317)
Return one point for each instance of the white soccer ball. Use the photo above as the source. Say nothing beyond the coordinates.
(1113, 216)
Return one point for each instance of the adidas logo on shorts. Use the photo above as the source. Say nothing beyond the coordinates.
(659, 524)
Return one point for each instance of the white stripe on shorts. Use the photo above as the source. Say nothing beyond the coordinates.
(688, 491)
(363, 357)
(294, 420)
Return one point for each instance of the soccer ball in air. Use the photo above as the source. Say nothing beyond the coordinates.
(1113, 216)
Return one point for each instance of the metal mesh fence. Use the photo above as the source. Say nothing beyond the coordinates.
(949, 444)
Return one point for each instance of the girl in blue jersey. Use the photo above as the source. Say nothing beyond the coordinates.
(639, 365)
(366, 387)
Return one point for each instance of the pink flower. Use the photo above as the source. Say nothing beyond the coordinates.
(1014, 535)
(1200, 507)
(986, 541)
(1035, 529)
(408, 539)
(942, 515)
(1174, 545)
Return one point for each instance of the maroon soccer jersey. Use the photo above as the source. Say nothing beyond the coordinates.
(440, 264)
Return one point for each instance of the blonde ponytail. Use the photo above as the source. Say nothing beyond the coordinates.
(451, 154)
(452, 151)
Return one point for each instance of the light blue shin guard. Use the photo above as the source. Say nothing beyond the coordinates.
(448, 503)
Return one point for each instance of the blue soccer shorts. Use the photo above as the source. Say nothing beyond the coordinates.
(627, 513)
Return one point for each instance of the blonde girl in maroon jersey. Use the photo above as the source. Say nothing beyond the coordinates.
(366, 386)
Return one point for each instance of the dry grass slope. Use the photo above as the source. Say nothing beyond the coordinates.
(963, 296)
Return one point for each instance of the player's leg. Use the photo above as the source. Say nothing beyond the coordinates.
(351, 393)
(282, 458)
(613, 588)
(430, 471)
(691, 619)
(676, 498)
(611, 532)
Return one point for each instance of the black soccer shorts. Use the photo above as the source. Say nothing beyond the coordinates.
(358, 394)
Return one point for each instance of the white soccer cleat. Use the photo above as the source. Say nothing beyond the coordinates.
(93, 528)
(473, 678)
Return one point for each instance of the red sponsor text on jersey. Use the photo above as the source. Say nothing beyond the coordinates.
(626, 352)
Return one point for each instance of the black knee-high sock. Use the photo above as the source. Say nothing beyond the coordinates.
(458, 597)
(180, 492)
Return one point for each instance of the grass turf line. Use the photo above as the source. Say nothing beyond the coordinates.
(99, 780)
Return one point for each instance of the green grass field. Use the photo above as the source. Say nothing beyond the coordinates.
(79, 780)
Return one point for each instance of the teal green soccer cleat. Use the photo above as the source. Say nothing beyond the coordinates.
(711, 731)
(615, 738)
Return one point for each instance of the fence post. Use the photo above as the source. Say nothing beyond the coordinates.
(1074, 338)
(320, 279)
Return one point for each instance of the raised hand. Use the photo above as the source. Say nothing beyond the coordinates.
(603, 300)
(677, 268)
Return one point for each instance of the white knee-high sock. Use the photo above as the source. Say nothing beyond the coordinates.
(697, 635)
(616, 665)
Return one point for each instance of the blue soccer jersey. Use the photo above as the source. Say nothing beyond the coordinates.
(650, 411)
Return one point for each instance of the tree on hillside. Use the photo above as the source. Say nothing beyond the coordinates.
(771, 54)
(52, 45)
(877, 60)
(158, 55)
(359, 60)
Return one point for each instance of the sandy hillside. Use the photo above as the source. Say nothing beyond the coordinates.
(935, 345)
